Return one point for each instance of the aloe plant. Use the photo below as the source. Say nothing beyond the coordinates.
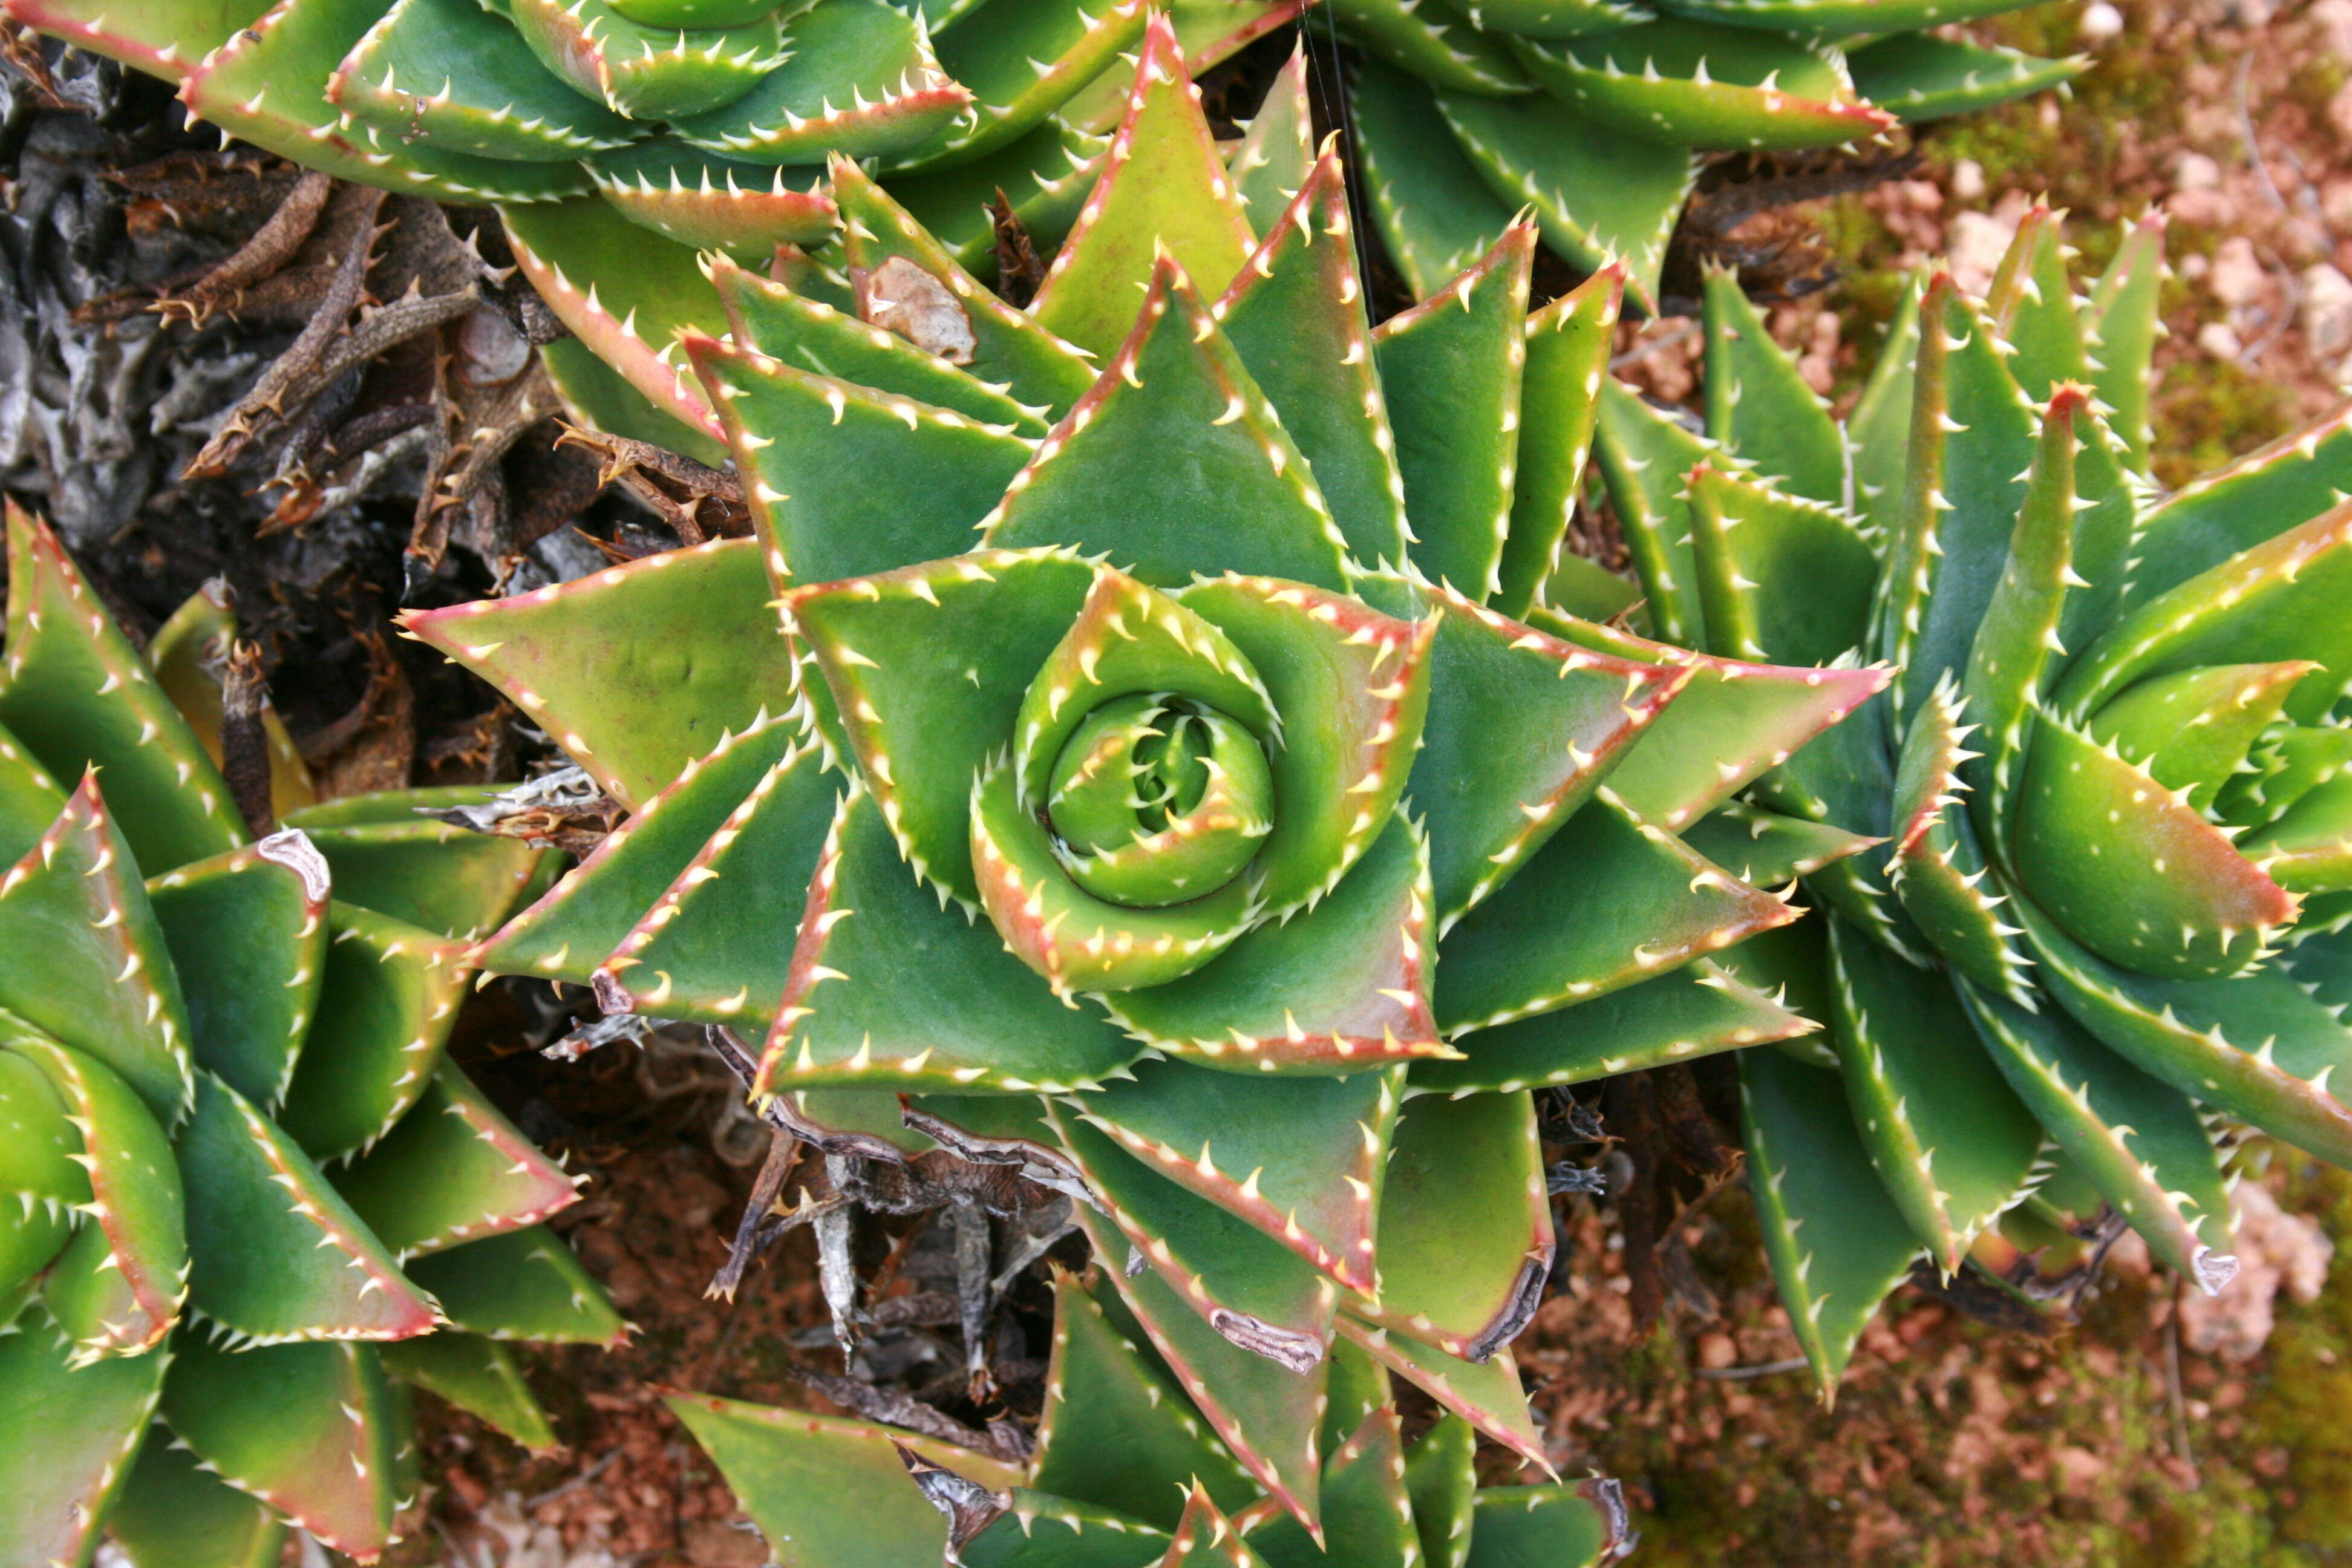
(1597, 113)
(2109, 919)
(1176, 777)
(1129, 1473)
(249, 1203)
(707, 120)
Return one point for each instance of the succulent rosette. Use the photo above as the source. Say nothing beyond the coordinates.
(2110, 923)
(1137, 738)
(248, 1202)
(1127, 1473)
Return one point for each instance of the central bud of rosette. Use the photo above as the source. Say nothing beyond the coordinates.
(1186, 765)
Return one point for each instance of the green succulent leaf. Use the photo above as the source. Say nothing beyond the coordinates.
(1435, 212)
(1645, 454)
(1766, 849)
(173, 1514)
(1780, 577)
(1366, 1512)
(1277, 154)
(1204, 1538)
(478, 1376)
(520, 1285)
(1580, 1525)
(1046, 174)
(436, 875)
(1708, 85)
(456, 75)
(1879, 428)
(67, 1433)
(711, 202)
(1939, 867)
(1759, 407)
(1430, 44)
(248, 935)
(452, 1171)
(2030, 303)
(1041, 1531)
(1019, 68)
(599, 397)
(1919, 76)
(1569, 342)
(854, 78)
(386, 1008)
(658, 73)
(1441, 1480)
(41, 1183)
(162, 40)
(1485, 1393)
(2119, 331)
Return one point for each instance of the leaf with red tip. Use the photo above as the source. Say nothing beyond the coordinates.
(1767, 848)
(386, 1006)
(1569, 1524)
(660, 71)
(1295, 316)
(66, 1437)
(1568, 353)
(930, 665)
(266, 83)
(1432, 206)
(1115, 1433)
(568, 933)
(1019, 67)
(1485, 1394)
(1338, 988)
(1204, 1538)
(2257, 1045)
(2119, 331)
(173, 1514)
(1248, 1287)
(1176, 427)
(1781, 577)
(1838, 1245)
(598, 397)
(248, 932)
(1452, 368)
(307, 1428)
(1510, 957)
(165, 40)
(1441, 1480)
(712, 202)
(831, 1491)
(1939, 868)
(904, 275)
(2139, 1140)
(520, 1285)
(478, 1376)
(2196, 729)
(1464, 1227)
(888, 987)
(277, 1253)
(626, 291)
(1164, 190)
(713, 946)
(636, 669)
(1602, 199)
(853, 78)
(117, 1289)
(1695, 1011)
(1952, 1145)
(77, 695)
(1760, 407)
(106, 985)
(1495, 794)
(453, 1170)
(1704, 84)
(1367, 1514)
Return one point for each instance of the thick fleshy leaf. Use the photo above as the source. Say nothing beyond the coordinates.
(106, 985)
(1879, 427)
(1301, 1158)
(1440, 1478)
(1919, 76)
(2196, 730)
(1601, 199)
(1495, 794)
(887, 987)
(857, 79)
(1485, 1393)
(568, 931)
(1952, 1145)
(1020, 66)
(307, 1428)
(1210, 479)
(1759, 407)
(713, 947)
(1767, 848)
(648, 72)
(1568, 352)
(1367, 1514)
(1509, 958)
(76, 694)
(1695, 1011)
(1249, 1286)
(173, 1514)
(1041, 1531)
(162, 40)
(1645, 454)
(831, 1491)
(1431, 45)
(2030, 303)
(908, 282)
(1266, 1417)
(439, 876)
(1704, 84)
(1204, 1538)
(2257, 1045)
(712, 202)
(1337, 988)
(1781, 577)
(388, 1002)
(457, 75)
(1938, 869)
(2133, 871)
(522, 1285)
(1114, 1432)
(598, 397)
(626, 291)
(1579, 1524)
(1837, 1243)
(478, 1376)
(66, 1437)
(1452, 368)
(1295, 316)
(635, 670)
(2120, 328)
(247, 933)
(1164, 191)
(2309, 847)
(1276, 152)
(119, 1285)
(277, 1254)
(1353, 688)
(41, 1181)
(1432, 205)
(1046, 176)
(2140, 1142)
(454, 1170)
(30, 799)
(1464, 1226)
